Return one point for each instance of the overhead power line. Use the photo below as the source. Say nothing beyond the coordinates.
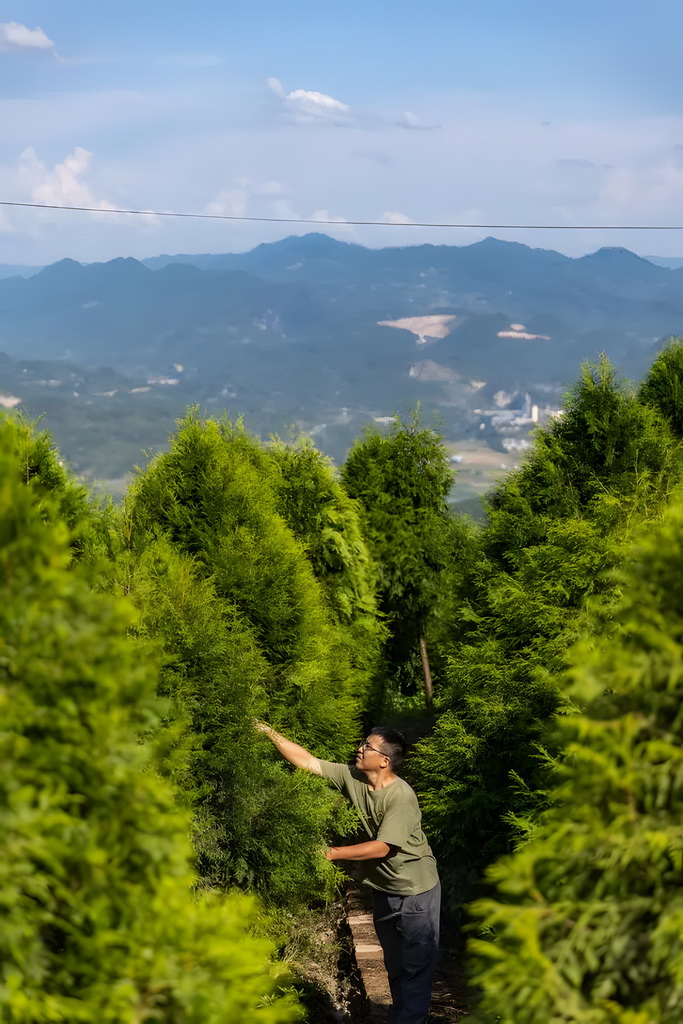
(353, 223)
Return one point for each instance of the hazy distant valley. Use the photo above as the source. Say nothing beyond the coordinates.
(324, 336)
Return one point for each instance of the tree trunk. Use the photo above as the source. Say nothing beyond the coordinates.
(429, 693)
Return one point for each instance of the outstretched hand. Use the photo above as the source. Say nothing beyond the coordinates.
(262, 726)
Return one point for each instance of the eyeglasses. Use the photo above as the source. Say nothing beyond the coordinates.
(366, 746)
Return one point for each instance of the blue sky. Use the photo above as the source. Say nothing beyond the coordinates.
(477, 111)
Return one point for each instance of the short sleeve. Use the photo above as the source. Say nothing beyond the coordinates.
(338, 774)
(398, 824)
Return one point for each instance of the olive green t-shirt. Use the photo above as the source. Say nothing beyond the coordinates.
(393, 816)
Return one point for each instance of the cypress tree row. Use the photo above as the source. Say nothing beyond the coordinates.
(99, 921)
(401, 480)
(556, 527)
(326, 522)
(247, 632)
(206, 497)
(588, 920)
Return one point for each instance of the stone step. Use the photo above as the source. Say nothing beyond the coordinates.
(368, 953)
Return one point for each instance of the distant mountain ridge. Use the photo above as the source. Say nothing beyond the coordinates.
(295, 331)
(672, 262)
(311, 287)
(17, 270)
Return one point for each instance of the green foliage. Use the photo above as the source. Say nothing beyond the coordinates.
(588, 919)
(401, 480)
(663, 386)
(326, 522)
(99, 921)
(206, 497)
(223, 583)
(460, 554)
(606, 449)
(557, 528)
(58, 495)
(322, 516)
(257, 824)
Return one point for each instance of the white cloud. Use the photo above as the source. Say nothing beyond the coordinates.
(61, 186)
(395, 217)
(341, 227)
(235, 200)
(317, 102)
(275, 86)
(308, 107)
(17, 38)
(245, 197)
(305, 106)
(653, 189)
(415, 123)
(326, 216)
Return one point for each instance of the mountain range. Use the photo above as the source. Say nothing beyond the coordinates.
(323, 334)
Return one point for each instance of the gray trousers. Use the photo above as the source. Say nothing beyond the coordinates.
(408, 930)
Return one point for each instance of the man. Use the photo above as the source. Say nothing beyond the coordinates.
(396, 862)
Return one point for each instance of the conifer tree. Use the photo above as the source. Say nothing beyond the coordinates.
(604, 449)
(318, 510)
(99, 923)
(326, 522)
(246, 632)
(91, 533)
(206, 497)
(663, 385)
(588, 919)
(256, 823)
(556, 528)
(401, 480)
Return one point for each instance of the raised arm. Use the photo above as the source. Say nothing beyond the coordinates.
(292, 752)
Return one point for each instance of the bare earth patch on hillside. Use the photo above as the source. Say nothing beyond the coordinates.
(437, 326)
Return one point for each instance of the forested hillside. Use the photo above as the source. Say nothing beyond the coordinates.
(322, 334)
(158, 856)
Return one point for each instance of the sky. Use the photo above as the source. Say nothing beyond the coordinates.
(457, 111)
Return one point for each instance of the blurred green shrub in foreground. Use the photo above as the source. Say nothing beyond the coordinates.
(588, 920)
(99, 923)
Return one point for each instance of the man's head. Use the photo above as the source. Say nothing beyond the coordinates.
(382, 751)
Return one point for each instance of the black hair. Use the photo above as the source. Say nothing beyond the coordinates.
(393, 744)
